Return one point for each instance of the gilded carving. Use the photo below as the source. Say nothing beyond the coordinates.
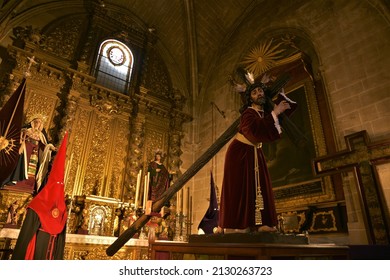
(323, 221)
(179, 99)
(39, 103)
(118, 159)
(98, 220)
(315, 119)
(101, 215)
(70, 112)
(46, 76)
(109, 141)
(29, 34)
(7, 199)
(175, 152)
(37, 69)
(63, 40)
(74, 251)
(377, 218)
(95, 165)
(155, 139)
(81, 83)
(105, 105)
(134, 160)
(79, 143)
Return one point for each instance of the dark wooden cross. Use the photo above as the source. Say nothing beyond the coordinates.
(172, 190)
(179, 183)
(361, 156)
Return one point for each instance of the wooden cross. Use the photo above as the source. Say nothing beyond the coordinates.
(31, 62)
(191, 171)
(360, 157)
(177, 185)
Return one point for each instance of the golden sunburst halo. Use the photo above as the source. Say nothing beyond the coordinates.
(262, 57)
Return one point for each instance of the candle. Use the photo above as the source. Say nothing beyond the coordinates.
(77, 181)
(145, 190)
(147, 186)
(178, 204)
(137, 189)
(185, 201)
(190, 215)
(68, 166)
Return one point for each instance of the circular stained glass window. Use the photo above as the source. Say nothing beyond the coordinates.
(116, 56)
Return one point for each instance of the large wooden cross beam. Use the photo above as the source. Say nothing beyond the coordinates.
(360, 157)
(177, 185)
(194, 168)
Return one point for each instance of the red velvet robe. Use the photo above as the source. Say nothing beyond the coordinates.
(238, 195)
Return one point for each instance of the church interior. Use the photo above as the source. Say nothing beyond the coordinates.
(125, 79)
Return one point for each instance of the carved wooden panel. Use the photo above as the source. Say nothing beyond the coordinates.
(99, 148)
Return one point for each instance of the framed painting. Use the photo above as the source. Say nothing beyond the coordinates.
(290, 158)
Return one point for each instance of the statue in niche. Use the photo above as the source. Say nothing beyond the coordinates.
(13, 215)
(97, 220)
(84, 222)
(129, 218)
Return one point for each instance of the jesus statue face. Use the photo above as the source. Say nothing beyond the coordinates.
(258, 96)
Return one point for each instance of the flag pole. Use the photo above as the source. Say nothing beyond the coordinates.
(17, 103)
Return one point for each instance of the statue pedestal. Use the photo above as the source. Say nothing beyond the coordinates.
(251, 237)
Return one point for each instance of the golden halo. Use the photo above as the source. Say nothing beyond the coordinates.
(34, 116)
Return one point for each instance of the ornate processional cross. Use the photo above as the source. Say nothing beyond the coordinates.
(361, 157)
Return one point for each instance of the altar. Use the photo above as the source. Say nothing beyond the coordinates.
(82, 246)
(247, 246)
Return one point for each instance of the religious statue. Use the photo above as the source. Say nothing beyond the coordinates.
(84, 222)
(129, 218)
(13, 215)
(159, 177)
(163, 231)
(35, 157)
(118, 220)
(97, 222)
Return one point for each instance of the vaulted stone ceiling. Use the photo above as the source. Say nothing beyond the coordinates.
(191, 34)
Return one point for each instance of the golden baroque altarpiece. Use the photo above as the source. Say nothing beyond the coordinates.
(112, 135)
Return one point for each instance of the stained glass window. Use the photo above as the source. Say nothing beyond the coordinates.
(114, 66)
